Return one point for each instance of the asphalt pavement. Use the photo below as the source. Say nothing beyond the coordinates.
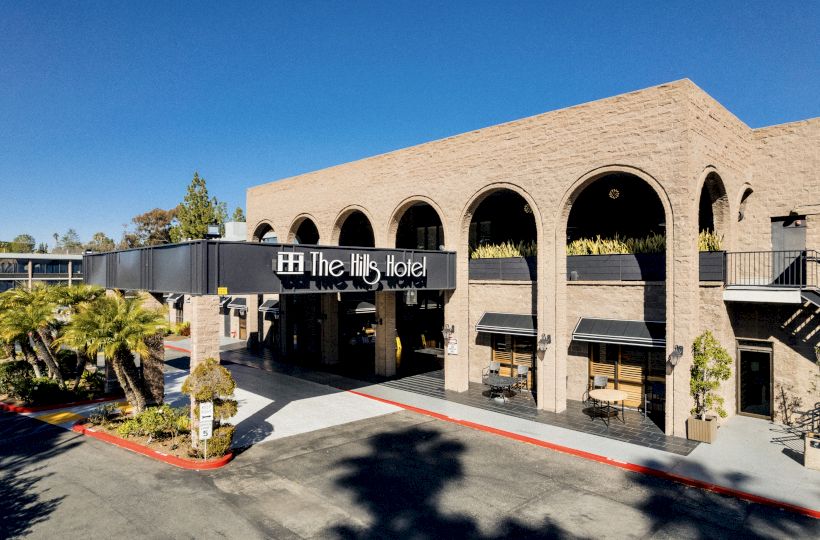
(398, 475)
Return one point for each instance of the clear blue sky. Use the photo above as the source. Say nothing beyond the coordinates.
(107, 108)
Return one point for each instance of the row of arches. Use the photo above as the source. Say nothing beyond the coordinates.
(613, 204)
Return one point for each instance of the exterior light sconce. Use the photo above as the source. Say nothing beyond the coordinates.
(448, 331)
(543, 342)
(675, 355)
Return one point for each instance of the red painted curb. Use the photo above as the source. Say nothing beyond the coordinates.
(751, 497)
(175, 348)
(159, 456)
(20, 409)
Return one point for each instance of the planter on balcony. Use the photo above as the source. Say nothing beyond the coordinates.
(712, 265)
(506, 269)
(621, 267)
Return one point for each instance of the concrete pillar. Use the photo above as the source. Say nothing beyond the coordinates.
(386, 333)
(252, 321)
(330, 328)
(457, 366)
(205, 328)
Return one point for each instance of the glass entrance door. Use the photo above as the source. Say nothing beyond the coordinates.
(755, 383)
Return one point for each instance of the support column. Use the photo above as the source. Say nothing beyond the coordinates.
(205, 328)
(330, 329)
(457, 366)
(252, 321)
(386, 333)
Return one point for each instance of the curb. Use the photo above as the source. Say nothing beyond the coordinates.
(692, 482)
(23, 410)
(182, 463)
(175, 348)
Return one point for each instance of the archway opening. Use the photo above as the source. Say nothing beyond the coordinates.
(503, 218)
(264, 233)
(306, 232)
(713, 208)
(420, 314)
(617, 206)
(616, 232)
(356, 231)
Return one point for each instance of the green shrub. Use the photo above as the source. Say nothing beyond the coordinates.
(67, 362)
(504, 250)
(211, 382)
(711, 365)
(103, 414)
(220, 442)
(45, 391)
(93, 382)
(653, 243)
(709, 241)
(15, 378)
(183, 329)
(161, 422)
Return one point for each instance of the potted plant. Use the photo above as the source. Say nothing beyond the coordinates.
(711, 365)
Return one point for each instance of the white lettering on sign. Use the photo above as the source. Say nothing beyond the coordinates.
(290, 263)
(361, 265)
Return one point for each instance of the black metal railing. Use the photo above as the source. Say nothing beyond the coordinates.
(784, 269)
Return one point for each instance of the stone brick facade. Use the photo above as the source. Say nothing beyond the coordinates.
(674, 137)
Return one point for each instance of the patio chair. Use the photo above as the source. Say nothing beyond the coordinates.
(598, 382)
(521, 377)
(493, 369)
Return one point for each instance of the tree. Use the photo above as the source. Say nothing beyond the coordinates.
(197, 211)
(119, 327)
(211, 382)
(72, 297)
(153, 228)
(68, 243)
(238, 215)
(29, 315)
(42, 247)
(711, 366)
(22, 243)
(100, 242)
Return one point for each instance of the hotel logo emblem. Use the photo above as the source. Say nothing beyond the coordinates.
(290, 263)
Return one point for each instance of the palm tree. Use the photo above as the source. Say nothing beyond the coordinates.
(119, 327)
(29, 316)
(71, 298)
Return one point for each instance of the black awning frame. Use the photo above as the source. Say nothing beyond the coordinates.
(490, 323)
(224, 301)
(238, 303)
(613, 339)
(174, 298)
(269, 306)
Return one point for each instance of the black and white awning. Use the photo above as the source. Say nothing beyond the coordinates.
(174, 299)
(224, 301)
(621, 332)
(507, 323)
(238, 303)
(270, 306)
(362, 308)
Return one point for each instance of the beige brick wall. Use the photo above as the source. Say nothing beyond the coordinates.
(672, 136)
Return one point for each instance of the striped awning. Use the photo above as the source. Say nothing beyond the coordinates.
(507, 323)
(270, 306)
(621, 332)
(238, 303)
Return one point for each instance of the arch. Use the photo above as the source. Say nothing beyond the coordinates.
(481, 196)
(303, 230)
(745, 192)
(713, 204)
(346, 214)
(263, 230)
(400, 212)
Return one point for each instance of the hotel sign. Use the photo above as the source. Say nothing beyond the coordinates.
(206, 266)
(359, 265)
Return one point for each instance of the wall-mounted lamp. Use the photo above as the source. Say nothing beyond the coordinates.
(675, 355)
(543, 342)
(448, 331)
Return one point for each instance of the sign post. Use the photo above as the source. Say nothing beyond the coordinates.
(206, 423)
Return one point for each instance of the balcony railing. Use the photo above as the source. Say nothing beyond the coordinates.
(782, 269)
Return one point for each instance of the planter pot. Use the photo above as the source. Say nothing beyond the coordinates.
(641, 267)
(712, 265)
(701, 430)
(504, 269)
(811, 451)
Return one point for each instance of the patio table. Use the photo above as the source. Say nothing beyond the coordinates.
(498, 384)
(610, 396)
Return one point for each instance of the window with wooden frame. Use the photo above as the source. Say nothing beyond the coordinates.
(513, 351)
(627, 368)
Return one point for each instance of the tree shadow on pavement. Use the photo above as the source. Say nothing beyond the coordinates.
(25, 443)
(399, 482)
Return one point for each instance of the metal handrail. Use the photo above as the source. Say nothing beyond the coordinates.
(779, 269)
